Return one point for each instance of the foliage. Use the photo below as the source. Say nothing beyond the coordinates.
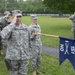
(64, 6)
(25, 6)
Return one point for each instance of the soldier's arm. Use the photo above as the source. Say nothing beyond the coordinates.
(2, 23)
(37, 33)
(71, 17)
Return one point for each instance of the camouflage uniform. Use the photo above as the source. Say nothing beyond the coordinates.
(17, 53)
(72, 18)
(35, 46)
(3, 22)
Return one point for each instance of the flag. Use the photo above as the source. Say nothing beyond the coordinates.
(67, 50)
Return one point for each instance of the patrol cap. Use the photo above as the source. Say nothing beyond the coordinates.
(7, 13)
(17, 13)
(34, 16)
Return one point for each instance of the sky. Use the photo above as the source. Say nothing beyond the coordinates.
(24, 0)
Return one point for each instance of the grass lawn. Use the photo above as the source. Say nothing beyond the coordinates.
(50, 64)
(52, 26)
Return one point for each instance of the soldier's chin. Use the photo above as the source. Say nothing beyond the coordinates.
(17, 23)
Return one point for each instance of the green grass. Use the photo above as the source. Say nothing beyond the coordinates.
(49, 66)
(52, 26)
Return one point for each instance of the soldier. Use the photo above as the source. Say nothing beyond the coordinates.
(72, 18)
(17, 54)
(36, 44)
(4, 21)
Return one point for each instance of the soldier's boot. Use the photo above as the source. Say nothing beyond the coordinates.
(34, 72)
(37, 72)
(1, 53)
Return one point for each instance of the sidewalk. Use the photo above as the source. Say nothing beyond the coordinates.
(50, 50)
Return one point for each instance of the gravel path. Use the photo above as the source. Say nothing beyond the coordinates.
(50, 50)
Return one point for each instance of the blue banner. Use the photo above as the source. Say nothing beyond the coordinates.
(67, 50)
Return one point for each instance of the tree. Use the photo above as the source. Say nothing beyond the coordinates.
(25, 6)
(12, 5)
(64, 6)
(2, 5)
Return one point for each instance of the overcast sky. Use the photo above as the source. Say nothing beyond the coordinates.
(24, 0)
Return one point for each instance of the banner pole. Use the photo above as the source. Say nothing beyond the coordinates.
(55, 36)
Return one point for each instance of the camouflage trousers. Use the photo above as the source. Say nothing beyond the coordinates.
(19, 67)
(73, 31)
(36, 57)
(1, 45)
